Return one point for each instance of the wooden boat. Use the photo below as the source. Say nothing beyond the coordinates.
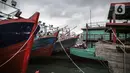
(16, 39)
(88, 53)
(43, 46)
(86, 47)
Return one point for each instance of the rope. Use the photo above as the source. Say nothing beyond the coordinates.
(18, 50)
(122, 50)
(70, 57)
(120, 42)
(103, 63)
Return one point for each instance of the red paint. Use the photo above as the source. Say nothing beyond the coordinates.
(114, 37)
(117, 24)
(126, 3)
(19, 63)
(30, 43)
(14, 65)
(4, 22)
(43, 51)
(76, 36)
(37, 71)
(56, 33)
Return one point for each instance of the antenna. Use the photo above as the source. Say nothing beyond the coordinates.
(90, 17)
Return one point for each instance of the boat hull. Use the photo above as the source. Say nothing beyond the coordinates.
(85, 53)
(43, 47)
(43, 51)
(15, 52)
(15, 65)
(67, 43)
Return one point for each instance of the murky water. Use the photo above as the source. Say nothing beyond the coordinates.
(62, 64)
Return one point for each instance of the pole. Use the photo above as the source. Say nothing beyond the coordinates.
(90, 17)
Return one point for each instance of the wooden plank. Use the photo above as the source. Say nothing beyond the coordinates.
(105, 47)
(110, 53)
(115, 59)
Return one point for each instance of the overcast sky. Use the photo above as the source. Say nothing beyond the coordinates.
(67, 12)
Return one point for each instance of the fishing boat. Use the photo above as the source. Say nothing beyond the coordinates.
(85, 53)
(117, 52)
(66, 43)
(16, 39)
(89, 37)
(66, 39)
(43, 46)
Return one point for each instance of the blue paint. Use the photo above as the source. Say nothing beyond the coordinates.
(43, 42)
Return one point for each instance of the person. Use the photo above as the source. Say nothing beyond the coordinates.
(84, 45)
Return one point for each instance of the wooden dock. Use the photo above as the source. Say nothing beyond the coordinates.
(117, 62)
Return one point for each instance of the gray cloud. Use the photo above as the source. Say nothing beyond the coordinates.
(71, 12)
(66, 8)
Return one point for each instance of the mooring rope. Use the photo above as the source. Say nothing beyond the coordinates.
(122, 50)
(70, 57)
(120, 42)
(105, 65)
(19, 49)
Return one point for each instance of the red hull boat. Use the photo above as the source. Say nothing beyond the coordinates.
(43, 51)
(16, 43)
(44, 45)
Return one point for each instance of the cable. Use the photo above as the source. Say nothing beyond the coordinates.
(70, 57)
(120, 42)
(105, 66)
(19, 49)
(122, 50)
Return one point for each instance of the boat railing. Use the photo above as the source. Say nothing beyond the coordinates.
(12, 5)
(98, 36)
(97, 24)
(105, 37)
(15, 12)
(66, 36)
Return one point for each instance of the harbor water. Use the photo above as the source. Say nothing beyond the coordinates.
(62, 64)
